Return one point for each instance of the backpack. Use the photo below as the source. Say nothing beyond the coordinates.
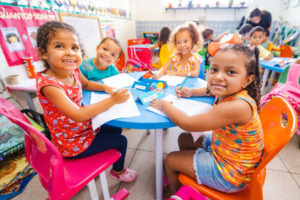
(139, 59)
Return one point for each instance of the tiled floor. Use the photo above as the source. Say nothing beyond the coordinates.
(282, 182)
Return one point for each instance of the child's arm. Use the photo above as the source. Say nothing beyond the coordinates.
(220, 37)
(162, 71)
(236, 112)
(269, 57)
(93, 85)
(58, 97)
(194, 72)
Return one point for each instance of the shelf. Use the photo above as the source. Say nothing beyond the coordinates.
(204, 8)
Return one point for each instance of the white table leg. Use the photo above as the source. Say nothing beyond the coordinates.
(29, 100)
(264, 81)
(159, 163)
(271, 81)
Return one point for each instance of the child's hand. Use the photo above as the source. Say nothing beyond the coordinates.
(156, 76)
(110, 90)
(121, 96)
(171, 73)
(158, 104)
(184, 92)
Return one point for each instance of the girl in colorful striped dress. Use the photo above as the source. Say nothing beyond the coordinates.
(186, 39)
(226, 159)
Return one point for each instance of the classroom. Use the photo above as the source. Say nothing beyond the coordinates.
(149, 99)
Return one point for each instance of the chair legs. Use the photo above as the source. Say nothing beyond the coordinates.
(93, 190)
(104, 186)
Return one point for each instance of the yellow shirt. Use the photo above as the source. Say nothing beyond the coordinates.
(263, 52)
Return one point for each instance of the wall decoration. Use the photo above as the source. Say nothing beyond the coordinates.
(108, 29)
(18, 32)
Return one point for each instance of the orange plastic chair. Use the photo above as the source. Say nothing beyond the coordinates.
(138, 41)
(121, 62)
(277, 134)
(62, 178)
(286, 51)
(213, 47)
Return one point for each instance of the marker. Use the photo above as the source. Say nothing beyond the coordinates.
(184, 81)
(115, 90)
(147, 68)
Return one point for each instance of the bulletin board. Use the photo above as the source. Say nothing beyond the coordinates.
(152, 36)
(88, 29)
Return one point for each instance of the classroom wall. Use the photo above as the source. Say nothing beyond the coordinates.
(291, 15)
(124, 29)
(152, 16)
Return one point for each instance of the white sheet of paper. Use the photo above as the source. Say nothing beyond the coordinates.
(126, 109)
(172, 80)
(189, 107)
(119, 81)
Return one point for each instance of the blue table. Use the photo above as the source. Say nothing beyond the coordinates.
(150, 120)
(270, 66)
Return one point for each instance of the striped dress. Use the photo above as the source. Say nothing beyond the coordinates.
(238, 149)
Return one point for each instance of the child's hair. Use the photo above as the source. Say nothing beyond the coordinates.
(255, 13)
(46, 32)
(206, 33)
(256, 29)
(164, 36)
(195, 35)
(115, 41)
(246, 28)
(252, 66)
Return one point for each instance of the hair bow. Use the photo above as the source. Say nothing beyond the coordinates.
(213, 47)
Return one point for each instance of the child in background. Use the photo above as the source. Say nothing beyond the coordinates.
(186, 39)
(163, 37)
(226, 158)
(245, 32)
(59, 88)
(208, 35)
(102, 66)
(257, 37)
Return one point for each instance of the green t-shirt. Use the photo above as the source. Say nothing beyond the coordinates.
(89, 70)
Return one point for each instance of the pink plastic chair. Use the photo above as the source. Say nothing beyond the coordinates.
(62, 178)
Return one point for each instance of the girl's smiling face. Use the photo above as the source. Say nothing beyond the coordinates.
(228, 74)
(63, 51)
(184, 43)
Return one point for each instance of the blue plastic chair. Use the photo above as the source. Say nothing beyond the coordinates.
(202, 69)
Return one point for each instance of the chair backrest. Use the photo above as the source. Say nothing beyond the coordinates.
(202, 68)
(138, 41)
(121, 62)
(286, 51)
(164, 54)
(277, 133)
(41, 154)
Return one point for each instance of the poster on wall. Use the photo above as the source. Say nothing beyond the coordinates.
(108, 29)
(18, 30)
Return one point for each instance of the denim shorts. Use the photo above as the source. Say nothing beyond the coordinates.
(206, 169)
